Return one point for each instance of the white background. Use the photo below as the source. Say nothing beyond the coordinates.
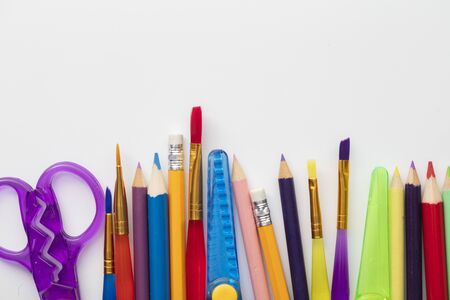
(292, 77)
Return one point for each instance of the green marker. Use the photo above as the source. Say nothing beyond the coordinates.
(446, 199)
(374, 270)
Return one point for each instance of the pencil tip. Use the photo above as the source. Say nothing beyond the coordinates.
(282, 157)
(413, 166)
(156, 161)
(430, 171)
(139, 165)
(448, 171)
(396, 172)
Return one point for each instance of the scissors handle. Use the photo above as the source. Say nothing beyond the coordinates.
(22, 189)
(45, 183)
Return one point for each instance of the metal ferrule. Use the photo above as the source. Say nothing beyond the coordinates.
(316, 218)
(108, 263)
(342, 213)
(120, 206)
(261, 212)
(176, 157)
(195, 183)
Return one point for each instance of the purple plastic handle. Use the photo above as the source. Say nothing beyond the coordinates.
(51, 254)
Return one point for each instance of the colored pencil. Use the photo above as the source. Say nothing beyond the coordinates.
(320, 288)
(292, 232)
(195, 247)
(140, 235)
(124, 271)
(109, 280)
(158, 238)
(269, 245)
(340, 289)
(374, 270)
(249, 233)
(177, 218)
(446, 199)
(434, 239)
(397, 231)
(413, 235)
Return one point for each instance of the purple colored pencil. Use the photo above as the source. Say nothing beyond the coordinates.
(413, 235)
(140, 236)
(340, 289)
(292, 231)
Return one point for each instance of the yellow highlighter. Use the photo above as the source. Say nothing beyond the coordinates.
(177, 230)
(269, 245)
(320, 288)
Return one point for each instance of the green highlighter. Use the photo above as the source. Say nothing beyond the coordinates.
(446, 199)
(374, 274)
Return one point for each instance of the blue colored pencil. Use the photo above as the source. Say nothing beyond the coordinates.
(158, 234)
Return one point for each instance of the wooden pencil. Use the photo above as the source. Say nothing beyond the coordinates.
(292, 231)
(446, 199)
(413, 235)
(434, 239)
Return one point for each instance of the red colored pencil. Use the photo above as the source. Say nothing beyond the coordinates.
(195, 247)
(433, 239)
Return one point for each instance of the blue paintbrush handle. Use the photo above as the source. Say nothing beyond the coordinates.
(109, 287)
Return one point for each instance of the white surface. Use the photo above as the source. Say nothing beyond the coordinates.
(272, 76)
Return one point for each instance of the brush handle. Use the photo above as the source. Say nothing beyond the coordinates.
(140, 242)
(109, 287)
(340, 287)
(320, 288)
(195, 262)
(158, 225)
(293, 239)
(124, 272)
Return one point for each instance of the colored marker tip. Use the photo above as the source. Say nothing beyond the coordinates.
(282, 157)
(156, 161)
(430, 171)
(344, 149)
(117, 155)
(108, 201)
(196, 125)
(413, 166)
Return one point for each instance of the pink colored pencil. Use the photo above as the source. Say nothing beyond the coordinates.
(249, 233)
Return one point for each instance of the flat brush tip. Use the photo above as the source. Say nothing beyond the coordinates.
(344, 149)
(108, 201)
(430, 170)
(312, 173)
(196, 125)
(156, 161)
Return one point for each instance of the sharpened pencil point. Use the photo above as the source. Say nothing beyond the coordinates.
(344, 149)
(139, 165)
(430, 171)
(282, 157)
(413, 166)
(312, 173)
(448, 171)
(396, 172)
(156, 161)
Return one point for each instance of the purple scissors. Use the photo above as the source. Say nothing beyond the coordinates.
(51, 254)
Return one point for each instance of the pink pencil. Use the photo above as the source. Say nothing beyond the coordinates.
(249, 233)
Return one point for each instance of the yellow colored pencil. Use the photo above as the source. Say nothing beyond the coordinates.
(177, 229)
(320, 289)
(397, 231)
(269, 245)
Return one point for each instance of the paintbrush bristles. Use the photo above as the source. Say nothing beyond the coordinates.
(312, 174)
(118, 163)
(344, 149)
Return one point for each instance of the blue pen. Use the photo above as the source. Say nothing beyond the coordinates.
(158, 234)
(223, 271)
(109, 286)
